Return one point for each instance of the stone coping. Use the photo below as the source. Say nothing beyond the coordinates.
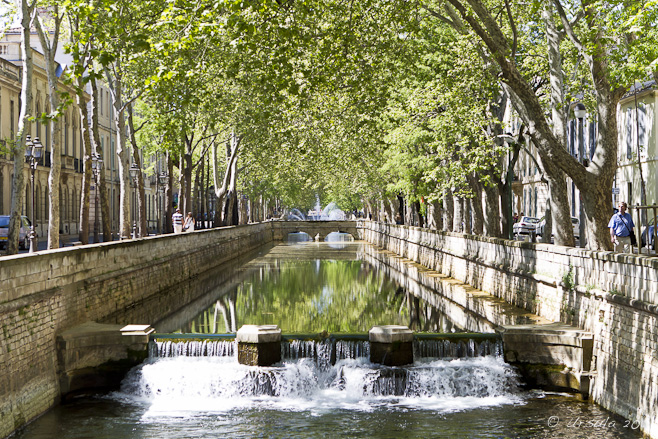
(258, 334)
(390, 334)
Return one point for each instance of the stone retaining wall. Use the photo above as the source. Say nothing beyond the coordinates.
(612, 295)
(44, 294)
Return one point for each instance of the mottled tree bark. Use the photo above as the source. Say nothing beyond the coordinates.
(87, 175)
(491, 211)
(449, 210)
(106, 219)
(24, 125)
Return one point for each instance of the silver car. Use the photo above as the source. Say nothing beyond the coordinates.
(525, 225)
(23, 234)
(575, 223)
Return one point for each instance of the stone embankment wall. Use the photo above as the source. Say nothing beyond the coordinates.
(44, 294)
(613, 296)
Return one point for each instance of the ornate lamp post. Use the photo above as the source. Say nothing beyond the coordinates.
(33, 154)
(163, 178)
(134, 173)
(96, 166)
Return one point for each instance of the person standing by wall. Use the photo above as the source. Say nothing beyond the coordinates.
(621, 227)
(177, 219)
(188, 226)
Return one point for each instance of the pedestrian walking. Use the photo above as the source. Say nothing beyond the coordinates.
(177, 219)
(188, 226)
(621, 230)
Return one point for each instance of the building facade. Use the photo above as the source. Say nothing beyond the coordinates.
(71, 149)
(70, 142)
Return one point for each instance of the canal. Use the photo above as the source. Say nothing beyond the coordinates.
(334, 287)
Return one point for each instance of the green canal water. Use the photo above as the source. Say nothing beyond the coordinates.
(337, 287)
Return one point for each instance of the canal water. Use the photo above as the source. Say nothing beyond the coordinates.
(336, 288)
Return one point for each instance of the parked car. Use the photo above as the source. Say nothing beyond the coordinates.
(23, 234)
(525, 226)
(575, 222)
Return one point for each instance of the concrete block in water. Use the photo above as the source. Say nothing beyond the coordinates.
(391, 345)
(259, 345)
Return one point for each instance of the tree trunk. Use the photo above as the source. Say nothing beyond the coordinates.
(55, 171)
(187, 172)
(458, 219)
(559, 201)
(142, 225)
(102, 189)
(557, 207)
(230, 209)
(449, 210)
(123, 154)
(169, 195)
(49, 48)
(548, 220)
(476, 205)
(201, 192)
(24, 128)
(491, 211)
(435, 215)
(221, 193)
(87, 176)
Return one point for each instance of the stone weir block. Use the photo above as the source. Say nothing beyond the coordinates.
(93, 356)
(391, 345)
(554, 356)
(259, 345)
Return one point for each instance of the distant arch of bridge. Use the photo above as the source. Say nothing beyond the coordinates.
(315, 228)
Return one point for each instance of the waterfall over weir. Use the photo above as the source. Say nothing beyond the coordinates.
(327, 351)
(182, 375)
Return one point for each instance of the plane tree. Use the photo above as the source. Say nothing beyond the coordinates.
(598, 34)
(262, 59)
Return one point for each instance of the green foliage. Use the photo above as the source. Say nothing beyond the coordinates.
(342, 100)
(309, 296)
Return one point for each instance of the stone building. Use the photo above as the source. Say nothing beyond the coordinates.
(71, 148)
(638, 128)
(70, 141)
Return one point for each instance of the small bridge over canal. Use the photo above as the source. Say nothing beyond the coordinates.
(314, 228)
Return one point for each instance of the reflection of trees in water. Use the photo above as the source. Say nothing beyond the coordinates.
(226, 304)
(424, 317)
(208, 322)
(312, 296)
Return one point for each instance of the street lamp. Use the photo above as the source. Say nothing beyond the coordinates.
(96, 166)
(33, 154)
(134, 173)
(163, 178)
(580, 112)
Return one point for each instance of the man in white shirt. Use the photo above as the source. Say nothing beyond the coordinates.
(177, 219)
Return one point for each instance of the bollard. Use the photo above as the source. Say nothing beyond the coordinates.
(259, 345)
(391, 345)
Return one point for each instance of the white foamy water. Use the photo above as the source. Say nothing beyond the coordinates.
(185, 386)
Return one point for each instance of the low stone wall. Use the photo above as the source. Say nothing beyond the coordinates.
(44, 294)
(613, 296)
